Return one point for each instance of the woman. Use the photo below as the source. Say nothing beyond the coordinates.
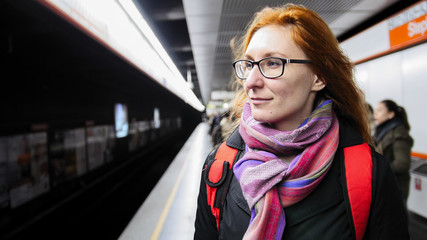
(392, 139)
(294, 122)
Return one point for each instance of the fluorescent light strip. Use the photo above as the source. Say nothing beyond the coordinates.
(140, 22)
(129, 35)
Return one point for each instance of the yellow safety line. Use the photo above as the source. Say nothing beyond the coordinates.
(168, 205)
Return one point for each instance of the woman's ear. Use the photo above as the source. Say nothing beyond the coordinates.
(318, 84)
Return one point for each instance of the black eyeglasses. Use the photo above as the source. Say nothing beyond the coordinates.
(271, 67)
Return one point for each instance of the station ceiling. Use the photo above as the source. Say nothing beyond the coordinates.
(195, 33)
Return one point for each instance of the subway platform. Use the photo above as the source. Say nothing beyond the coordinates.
(169, 211)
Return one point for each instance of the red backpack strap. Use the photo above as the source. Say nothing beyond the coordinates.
(358, 172)
(218, 176)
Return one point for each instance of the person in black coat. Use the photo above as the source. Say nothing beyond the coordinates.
(392, 139)
(323, 213)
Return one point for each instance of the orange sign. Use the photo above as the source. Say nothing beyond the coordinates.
(411, 31)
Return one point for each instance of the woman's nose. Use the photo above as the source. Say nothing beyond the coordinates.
(255, 78)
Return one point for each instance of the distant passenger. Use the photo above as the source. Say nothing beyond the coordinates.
(371, 119)
(214, 121)
(227, 124)
(392, 139)
(216, 132)
(298, 109)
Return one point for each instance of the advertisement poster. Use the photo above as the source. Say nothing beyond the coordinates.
(68, 155)
(96, 144)
(57, 154)
(76, 145)
(100, 145)
(27, 170)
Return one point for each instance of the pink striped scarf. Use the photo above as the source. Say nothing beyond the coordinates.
(269, 184)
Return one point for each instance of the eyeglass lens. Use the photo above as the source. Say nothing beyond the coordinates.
(269, 67)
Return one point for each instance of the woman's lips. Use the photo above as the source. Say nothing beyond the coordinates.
(257, 101)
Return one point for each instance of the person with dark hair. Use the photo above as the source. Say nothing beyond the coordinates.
(300, 144)
(371, 119)
(392, 139)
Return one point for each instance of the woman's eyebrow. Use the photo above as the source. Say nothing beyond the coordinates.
(247, 56)
(266, 55)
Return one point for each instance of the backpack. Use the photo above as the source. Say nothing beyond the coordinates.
(358, 181)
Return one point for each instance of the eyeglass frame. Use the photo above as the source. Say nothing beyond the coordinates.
(284, 61)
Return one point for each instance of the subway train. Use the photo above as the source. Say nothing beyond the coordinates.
(105, 139)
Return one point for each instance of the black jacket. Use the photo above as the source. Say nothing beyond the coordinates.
(324, 214)
(392, 139)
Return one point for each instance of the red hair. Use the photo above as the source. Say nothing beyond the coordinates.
(330, 64)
